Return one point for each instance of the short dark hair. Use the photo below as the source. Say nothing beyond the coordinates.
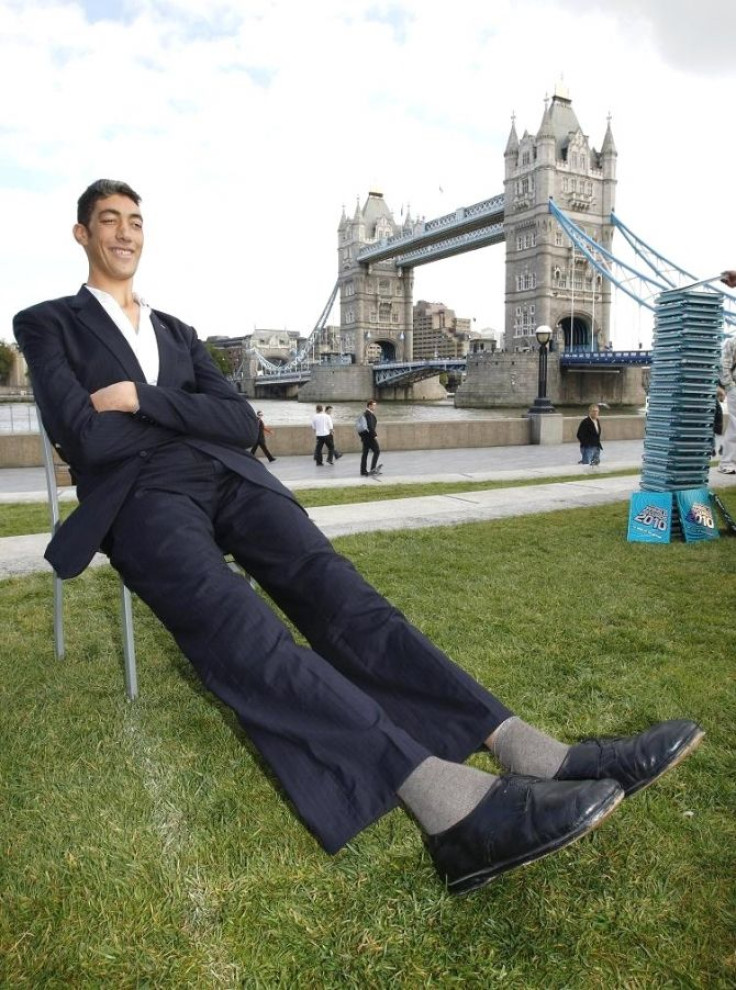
(101, 189)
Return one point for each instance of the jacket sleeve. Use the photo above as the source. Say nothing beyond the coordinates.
(207, 407)
(85, 438)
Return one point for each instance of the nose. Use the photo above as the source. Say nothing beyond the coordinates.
(124, 231)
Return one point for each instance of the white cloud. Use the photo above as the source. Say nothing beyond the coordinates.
(246, 133)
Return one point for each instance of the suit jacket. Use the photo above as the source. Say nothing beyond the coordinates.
(73, 348)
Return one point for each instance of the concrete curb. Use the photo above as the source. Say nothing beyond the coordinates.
(21, 555)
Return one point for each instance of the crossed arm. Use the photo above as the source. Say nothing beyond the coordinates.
(120, 397)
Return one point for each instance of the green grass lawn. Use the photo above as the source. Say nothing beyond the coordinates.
(32, 517)
(144, 844)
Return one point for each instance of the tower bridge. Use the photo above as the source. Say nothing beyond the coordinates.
(556, 218)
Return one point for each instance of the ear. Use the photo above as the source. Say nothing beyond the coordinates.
(81, 234)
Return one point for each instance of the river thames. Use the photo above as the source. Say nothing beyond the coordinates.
(20, 417)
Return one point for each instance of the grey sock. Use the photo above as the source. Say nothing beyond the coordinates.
(439, 794)
(521, 748)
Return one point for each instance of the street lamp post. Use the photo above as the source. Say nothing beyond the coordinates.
(542, 404)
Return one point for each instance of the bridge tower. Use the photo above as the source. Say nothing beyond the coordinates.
(375, 300)
(546, 282)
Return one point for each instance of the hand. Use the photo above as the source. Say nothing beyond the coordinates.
(120, 397)
(729, 278)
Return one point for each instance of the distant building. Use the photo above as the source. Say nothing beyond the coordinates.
(16, 377)
(486, 339)
(278, 346)
(438, 333)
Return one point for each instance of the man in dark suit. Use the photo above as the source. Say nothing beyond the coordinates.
(369, 440)
(371, 714)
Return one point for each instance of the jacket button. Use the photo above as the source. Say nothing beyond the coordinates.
(143, 453)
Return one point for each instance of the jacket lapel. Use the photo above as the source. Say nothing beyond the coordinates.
(93, 316)
(167, 364)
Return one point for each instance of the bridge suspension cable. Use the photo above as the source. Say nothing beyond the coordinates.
(310, 344)
(641, 286)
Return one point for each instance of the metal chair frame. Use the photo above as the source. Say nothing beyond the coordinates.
(51, 469)
(51, 466)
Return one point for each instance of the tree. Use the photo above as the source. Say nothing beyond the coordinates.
(7, 360)
(220, 358)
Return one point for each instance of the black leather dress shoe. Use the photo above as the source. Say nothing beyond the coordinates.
(520, 819)
(634, 761)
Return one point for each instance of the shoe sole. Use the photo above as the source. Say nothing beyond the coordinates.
(685, 750)
(474, 881)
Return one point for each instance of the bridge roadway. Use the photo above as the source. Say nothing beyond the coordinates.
(402, 373)
(587, 487)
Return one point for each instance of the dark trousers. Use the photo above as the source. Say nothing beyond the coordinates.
(370, 445)
(264, 448)
(328, 442)
(342, 722)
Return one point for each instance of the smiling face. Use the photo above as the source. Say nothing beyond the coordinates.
(112, 241)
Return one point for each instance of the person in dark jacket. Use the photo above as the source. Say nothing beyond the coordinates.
(589, 437)
(261, 441)
(369, 440)
(718, 420)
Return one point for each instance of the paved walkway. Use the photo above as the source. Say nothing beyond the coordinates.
(24, 554)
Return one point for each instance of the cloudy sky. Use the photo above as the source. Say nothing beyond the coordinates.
(247, 125)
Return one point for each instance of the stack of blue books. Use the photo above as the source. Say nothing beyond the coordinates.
(678, 439)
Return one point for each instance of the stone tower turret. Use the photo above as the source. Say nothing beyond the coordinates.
(375, 300)
(511, 154)
(547, 282)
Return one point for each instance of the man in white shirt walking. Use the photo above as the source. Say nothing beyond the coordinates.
(323, 427)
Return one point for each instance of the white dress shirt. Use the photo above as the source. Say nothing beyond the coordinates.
(142, 341)
(322, 424)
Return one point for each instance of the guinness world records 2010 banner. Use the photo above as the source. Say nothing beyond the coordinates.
(650, 516)
(697, 517)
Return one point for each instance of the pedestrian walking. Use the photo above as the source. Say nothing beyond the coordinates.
(328, 411)
(322, 426)
(366, 427)
(263, 432)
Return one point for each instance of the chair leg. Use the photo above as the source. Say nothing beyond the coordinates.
(237, 569)
(126, 613)
(59, 648)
